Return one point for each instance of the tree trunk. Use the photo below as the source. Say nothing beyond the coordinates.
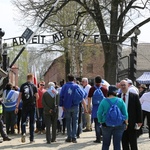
(110, 65)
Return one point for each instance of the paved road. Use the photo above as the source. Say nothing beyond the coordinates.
(85, 142)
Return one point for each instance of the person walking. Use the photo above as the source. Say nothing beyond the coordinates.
(10, 101)
(70, 101)
(95, 96)
(114, 131)
(40, 116)
(29, 95)
(50, 106)
(129, 138)
(86, 88)
(145, 104)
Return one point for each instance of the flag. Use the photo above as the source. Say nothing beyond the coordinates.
(34, 72)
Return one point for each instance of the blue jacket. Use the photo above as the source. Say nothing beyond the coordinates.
(67, 94)
(10, 99)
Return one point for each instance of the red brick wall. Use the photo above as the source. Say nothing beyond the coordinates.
(91, 55)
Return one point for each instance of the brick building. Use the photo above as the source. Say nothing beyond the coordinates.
(92, 62)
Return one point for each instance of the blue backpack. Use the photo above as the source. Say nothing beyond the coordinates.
(97, 96)
(114, 116)
(78, 95)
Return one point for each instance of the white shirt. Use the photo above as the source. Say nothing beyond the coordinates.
(126, 98)
(145, 101)
(86, 89)
(133, 89)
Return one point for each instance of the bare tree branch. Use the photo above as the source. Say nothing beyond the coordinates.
(132, 30)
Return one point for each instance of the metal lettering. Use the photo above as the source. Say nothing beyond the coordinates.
(21, 41)
(15, 43)
(77, 35)
(55, 38)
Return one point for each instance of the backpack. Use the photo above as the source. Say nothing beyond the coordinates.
(28, 94)
(114, 116)
(97, 96)
(78, 95)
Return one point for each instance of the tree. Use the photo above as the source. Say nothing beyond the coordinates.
(115, 20)
(22, 63)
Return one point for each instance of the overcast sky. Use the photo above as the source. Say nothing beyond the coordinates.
(12, 29)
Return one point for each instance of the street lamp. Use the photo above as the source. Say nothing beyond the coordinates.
(133, 54)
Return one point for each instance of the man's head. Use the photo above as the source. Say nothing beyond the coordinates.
(70, 77)
(84, 81)
(98, 79)
(41, 84)
(51, 84)
(124, 86)
(30, 77)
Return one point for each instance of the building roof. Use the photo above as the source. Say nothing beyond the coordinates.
(143, 56)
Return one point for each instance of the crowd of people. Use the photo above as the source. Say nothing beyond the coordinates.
(73, 107)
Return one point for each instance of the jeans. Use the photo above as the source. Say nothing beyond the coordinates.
(28, 111)
(40, 119)
(116, 132)
(97, 129)
(71, 116)
(10, 121)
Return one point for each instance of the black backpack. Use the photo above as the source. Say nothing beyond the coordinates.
(28, 94)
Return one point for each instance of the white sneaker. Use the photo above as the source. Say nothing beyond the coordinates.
(23, 138)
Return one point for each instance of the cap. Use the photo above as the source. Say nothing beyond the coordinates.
(129, 81)
(112, 89)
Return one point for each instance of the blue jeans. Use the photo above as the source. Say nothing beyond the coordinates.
(116, 132)
(28, 111)
(40, 119)
(97, 129)
(71, 116)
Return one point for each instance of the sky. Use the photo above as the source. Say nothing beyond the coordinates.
(12, 28)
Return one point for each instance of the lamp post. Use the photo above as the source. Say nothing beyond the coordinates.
(133, 54)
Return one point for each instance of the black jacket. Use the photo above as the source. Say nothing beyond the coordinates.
(134, 110)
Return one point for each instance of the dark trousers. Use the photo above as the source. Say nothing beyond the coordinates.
(28, 111)
(40, 119)
(147, 114)
(2, 132)
(97, 129)
(10, 121)
(51, 119)
(61, 127)
(19, 119)
(129, 140)
(79, 130)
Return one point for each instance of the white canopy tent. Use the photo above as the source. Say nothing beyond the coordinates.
(144, 78)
